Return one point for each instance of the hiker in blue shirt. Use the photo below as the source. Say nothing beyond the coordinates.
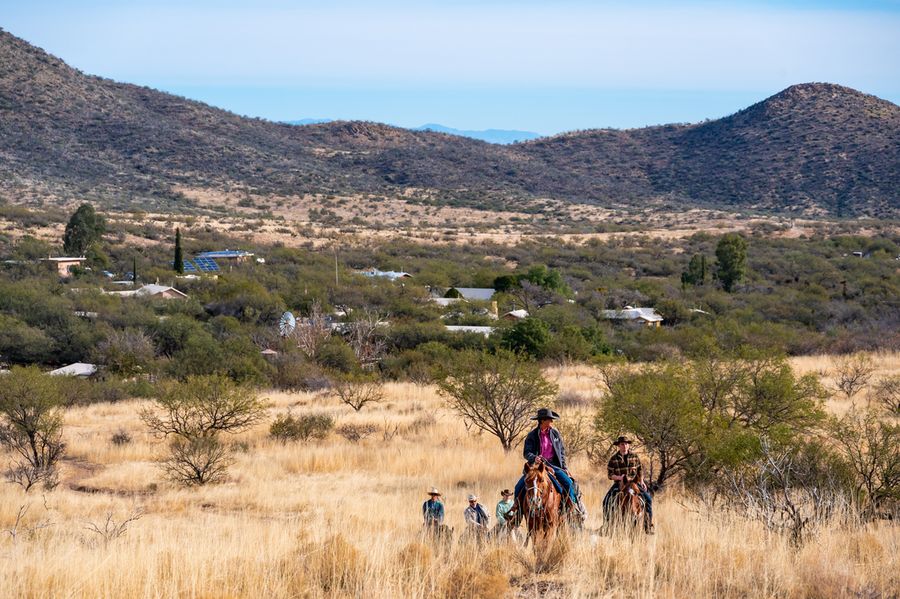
(433, 510)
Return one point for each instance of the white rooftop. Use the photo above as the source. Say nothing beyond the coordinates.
(630, 313)
(393, 275)
(486, 331)
(76, 369)
(65, 259)
(147, 290)
(446, 301)
(475, 293)
(518, 314)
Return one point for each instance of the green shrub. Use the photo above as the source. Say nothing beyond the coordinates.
(529, 336)
(337, 355)
(287, 427)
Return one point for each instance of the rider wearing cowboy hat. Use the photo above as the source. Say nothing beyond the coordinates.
(545, 444)
(433, 509)
(503, 506)
(625, 464)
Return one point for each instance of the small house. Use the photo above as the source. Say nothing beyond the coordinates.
(516, 315)
(646, 316)
(63, 265)
(151, 290)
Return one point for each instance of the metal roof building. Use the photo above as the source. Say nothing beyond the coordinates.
(646, 315)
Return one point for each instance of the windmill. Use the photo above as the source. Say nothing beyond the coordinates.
(286, 324)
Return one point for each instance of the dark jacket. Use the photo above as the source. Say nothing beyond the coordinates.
(533, 447)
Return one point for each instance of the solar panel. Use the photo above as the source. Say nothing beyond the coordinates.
(188, 267)
(206, 264)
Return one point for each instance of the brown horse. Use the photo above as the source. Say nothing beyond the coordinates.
(540, 504)
(631, 506)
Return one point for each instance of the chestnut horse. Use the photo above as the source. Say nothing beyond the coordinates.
(541, 507)
(631, 505)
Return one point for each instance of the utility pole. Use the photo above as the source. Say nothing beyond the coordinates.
(336, 281)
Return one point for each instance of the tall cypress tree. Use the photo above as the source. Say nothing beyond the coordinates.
(179, 258)
(85, 228)
(731, 260)
(696, 272)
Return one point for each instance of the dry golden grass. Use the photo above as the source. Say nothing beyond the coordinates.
(335, 519)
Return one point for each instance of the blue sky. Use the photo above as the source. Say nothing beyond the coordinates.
(534, 65)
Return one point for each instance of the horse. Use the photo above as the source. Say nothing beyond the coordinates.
(542, 501)
(441, 534)
(631, 505)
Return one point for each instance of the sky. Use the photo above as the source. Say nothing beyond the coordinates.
(536, 65)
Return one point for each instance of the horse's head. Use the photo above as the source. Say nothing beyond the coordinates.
(630, 496)
(534, 469)
(630, 486)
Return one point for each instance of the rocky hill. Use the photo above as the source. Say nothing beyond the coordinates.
(815, 148)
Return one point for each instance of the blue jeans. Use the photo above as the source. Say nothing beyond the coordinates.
(562, 476)
(614, 490)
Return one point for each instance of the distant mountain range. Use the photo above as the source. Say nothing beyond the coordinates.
(492, 136)
(813, 149)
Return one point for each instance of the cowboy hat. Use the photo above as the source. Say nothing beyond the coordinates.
(473, 497)
(622, 439)
(434, 491)
(545, 414)
(505, 493)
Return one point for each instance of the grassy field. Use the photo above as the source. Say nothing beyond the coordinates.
(334, 518)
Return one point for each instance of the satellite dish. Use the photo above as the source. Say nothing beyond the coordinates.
(286, 324)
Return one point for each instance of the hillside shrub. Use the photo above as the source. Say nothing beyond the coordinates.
(287, 427)
(31, 424)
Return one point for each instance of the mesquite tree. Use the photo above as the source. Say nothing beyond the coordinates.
(31, 425)
(497, 393)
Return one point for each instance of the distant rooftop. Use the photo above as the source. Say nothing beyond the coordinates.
(225, 254)
(474, 293)
(486, 331)
(393, 275)
(630, 313)
(65, 259)
(76, 369)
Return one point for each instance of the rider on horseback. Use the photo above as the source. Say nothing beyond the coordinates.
(545, 444)
(627, 465)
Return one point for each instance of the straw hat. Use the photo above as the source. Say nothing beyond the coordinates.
(434, 491)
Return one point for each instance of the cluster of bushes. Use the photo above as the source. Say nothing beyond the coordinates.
(787, 295)
(744, 430)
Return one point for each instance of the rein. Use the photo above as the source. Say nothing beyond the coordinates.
(536, 500)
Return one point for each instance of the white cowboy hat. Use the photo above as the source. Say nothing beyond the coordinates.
(434, 491)
(473, 497)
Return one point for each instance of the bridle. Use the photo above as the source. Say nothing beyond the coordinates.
(535, 499)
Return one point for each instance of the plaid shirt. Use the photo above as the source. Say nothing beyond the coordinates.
(629, 464)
